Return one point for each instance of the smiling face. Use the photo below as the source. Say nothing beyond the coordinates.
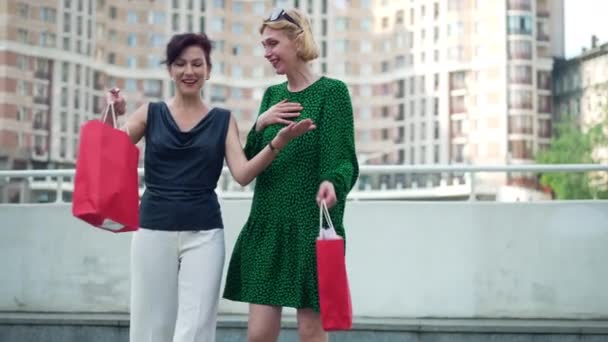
(189, 71)
(279, 50)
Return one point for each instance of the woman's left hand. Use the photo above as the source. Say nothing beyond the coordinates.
(326, 193)
(292, 131)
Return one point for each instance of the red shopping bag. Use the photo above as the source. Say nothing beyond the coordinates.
(334, 292)
(106, 191)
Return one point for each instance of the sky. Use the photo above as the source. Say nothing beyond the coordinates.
(584, 18)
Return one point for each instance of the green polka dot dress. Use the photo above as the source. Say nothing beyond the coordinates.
(274, 259)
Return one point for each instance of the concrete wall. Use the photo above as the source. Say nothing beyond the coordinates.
(447, 260)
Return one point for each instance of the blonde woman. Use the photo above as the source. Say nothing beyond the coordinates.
(273, 264)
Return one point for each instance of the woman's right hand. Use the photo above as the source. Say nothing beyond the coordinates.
(120, 105)
(281, 113)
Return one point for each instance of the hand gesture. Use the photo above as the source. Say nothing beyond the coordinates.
(120, 105)
(294, 130)
(326, 193)
(281, 113)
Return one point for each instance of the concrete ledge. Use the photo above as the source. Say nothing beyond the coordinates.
(420, 325)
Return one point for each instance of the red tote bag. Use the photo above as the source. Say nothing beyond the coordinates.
(334, 292)
(106, 190)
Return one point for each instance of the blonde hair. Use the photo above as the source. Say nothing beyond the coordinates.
(307, 49)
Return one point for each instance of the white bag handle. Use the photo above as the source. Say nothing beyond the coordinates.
(110, 107)
(330, 232)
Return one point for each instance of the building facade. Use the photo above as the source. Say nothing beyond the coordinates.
(432, 81)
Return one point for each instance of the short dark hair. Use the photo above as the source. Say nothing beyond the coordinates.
(180, 42)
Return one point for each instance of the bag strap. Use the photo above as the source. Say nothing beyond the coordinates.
(110, 108)
(324, 212)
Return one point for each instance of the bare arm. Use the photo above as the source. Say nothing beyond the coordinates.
(243, 170)
(135, 125)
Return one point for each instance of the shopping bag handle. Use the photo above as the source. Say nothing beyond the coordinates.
(330, 231)
(110, 108)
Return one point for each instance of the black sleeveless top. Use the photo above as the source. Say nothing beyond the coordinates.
(182, 170)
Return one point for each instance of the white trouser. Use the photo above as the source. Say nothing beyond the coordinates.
(175, 285)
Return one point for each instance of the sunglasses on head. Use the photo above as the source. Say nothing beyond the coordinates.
(279, 14)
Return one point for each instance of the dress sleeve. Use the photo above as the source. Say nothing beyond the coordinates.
(254, 139)
(338, 159)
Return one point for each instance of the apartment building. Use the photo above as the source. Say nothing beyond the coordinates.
(432, 81)
(581, 85)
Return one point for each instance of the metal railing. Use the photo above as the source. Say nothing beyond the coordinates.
(456, 181)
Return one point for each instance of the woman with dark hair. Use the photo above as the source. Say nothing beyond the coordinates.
(177, 255)
(273, 264)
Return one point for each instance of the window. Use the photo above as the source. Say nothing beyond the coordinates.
(132, 17)
(456, 29)
(544, 104)
(436, 154)
(132, 62)
(341, 45)
(542, 31)
(412, 129)
(79, 26)
(237, 28)
(131, 85)
(520, 49)
(341, 24)
(366, 46)
(76, 99)
(458, 153)
(399, 17)
(521, 124)
(77, 73)
(519, 24)
(217, 24)
(153, 62)
(113, 12)
(422, 84)
(521, 149)
(520, 5)
(259, 8)
(520, 99)
(156, 18)
(365, 113)
(22, 88)
(218, 3)
(544, 80)
(456, 53)
(457, 105)
(63, 121)
(157, 40)
(22, 36)
(237, 71)
(132, 40)
(520, 74)
(422, 154)
(423, 131)
(385, 67)
(24, 10)
(544, 128)
(48, 14)
(458, 80)
(190, 23)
